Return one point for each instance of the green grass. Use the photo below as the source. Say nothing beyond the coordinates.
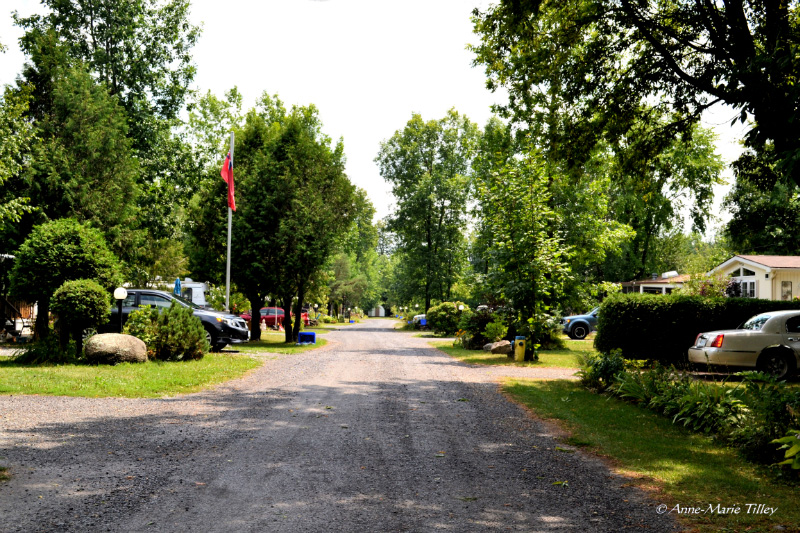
(152, 379)
(4, 474)
(567, 358)
(273, 342)
(684, 468)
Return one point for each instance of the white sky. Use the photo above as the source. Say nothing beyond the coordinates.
(366, 65)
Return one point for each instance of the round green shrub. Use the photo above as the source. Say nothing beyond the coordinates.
(445, 317)
(80, 304)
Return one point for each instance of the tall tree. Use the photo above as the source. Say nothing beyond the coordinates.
(16, 134)
(428, 165)
(139, 52)
(294, 202)
(139, 49)
(83, 166)
(527, 264)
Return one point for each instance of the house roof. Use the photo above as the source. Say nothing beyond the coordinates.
(683, 278)
(774, 261)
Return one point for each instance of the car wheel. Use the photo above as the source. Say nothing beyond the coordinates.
(579, 331)
(776, 363)
(211, 339)
(218, 347)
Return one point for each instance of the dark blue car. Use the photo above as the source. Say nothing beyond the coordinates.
(579, 326)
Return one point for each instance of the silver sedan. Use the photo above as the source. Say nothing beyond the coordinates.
(769, 342)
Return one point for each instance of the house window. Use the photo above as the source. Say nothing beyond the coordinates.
(736, 273)
(748, 289)
(786, 290)
(747, 272)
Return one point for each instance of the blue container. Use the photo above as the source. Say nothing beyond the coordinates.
(307, 336)
(423, 321)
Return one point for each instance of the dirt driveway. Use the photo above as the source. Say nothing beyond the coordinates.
(375, 432)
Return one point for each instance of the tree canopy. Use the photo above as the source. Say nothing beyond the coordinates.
(605, 59)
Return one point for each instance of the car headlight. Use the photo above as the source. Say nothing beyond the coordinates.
(226, 321)
(566, 321)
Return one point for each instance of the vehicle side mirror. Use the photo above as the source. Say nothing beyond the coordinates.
(594, 314)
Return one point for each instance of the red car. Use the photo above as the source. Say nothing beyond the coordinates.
(273, 316)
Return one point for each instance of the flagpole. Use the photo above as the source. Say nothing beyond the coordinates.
(228, 265)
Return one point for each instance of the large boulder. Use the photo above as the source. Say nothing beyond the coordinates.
(503, 347)
(113, 348)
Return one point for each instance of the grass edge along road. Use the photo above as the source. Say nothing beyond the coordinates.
(566, 358)
(153, 379)
(677, 467)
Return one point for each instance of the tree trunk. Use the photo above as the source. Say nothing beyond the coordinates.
(256, 303)
(301, 294)
(287, 317)
(42, 326)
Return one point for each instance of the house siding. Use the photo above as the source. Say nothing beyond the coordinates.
(786, 275)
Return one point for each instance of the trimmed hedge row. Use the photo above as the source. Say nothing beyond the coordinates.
(646, 326)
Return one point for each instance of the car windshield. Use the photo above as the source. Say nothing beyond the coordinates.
(185, 301)
(756, 323)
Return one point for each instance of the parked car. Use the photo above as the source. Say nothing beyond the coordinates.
(273, 316)
(579, 326)
(221, 328)
(769, 342)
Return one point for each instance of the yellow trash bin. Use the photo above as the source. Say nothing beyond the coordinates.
(519, 348)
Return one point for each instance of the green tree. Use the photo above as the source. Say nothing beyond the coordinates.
(603, 59)
(16, 134)
(528, 264)
(294, 202)
(83, 166)
(56, 252)
(139, 49)
(428, 165)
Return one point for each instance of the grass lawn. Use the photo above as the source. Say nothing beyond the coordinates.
(682, 467)
(273, 342)
(152, 379)
(566, 358)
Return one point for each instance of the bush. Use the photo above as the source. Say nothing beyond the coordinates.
(80, 304)
(544, 333)
(445, 317)
(749, 416)
(474, 324)
(46, 351)
(600, 371)
(670, 324)
(496, 329)
(771, 408)
(174, 334)
(143, 324)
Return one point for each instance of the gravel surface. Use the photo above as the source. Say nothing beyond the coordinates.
(374, 432)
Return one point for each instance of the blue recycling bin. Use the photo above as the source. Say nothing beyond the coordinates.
(423, 321)
(307, 336)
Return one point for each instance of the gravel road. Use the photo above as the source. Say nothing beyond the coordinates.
(374, 432)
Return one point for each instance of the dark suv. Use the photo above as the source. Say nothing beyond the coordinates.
(221, 328)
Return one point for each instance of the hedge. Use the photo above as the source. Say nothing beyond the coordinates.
(646, 326)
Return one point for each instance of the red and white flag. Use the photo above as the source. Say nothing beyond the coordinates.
(227, 175)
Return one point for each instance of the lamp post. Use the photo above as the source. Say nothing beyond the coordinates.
(120, 294)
